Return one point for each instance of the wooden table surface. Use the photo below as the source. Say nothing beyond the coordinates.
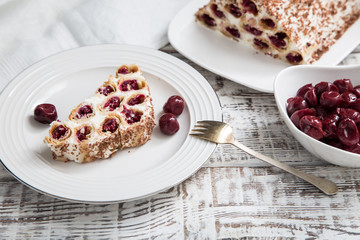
(232, 196)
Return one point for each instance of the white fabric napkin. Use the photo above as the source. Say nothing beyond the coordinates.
(34, 29)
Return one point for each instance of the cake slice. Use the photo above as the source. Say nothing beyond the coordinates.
(299, 32)
(120, 115)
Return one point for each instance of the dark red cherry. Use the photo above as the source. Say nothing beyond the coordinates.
(123, 70)
(294, 58)
(347, 99)
(137, 99)
(330, 99)
(131, 116)
(175, 105)
(357, 92)
(83, 132)
(344, 85)
(312, 126)
(168, 124)
(208, 20)
(347, 132)
(324, 87)
(84, 111)
(278, 39)
(250, 7)
(296, 116)
(295, 104)
(329, 124)
(354, 148)
(321, 112)
(233, 31)
(235, 11)
(59, 132)
(112, 103)
(110, 125)
(129, 85)
(268, 22)
(310, 97)
(45, 113)
(260, 44)
(356, 105)
(252, 30)
(216, 11)
(106, 90)
(301, 92)
(349, 113)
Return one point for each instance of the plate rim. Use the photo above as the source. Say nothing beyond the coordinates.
(176, 61)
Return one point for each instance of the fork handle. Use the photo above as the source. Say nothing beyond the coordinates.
(328, 187)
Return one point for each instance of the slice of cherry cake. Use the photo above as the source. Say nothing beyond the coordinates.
(299, 32)
(120, 115)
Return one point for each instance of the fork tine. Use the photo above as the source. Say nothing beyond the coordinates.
(202, 136)
(209, 122)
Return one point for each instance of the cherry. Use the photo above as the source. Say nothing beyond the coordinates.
(344, 85)
(110, 125)
(175, 105)
(294, 58)
(312, 126)
(268, 22)
(347, 132)
(349, 113)
(323, 87)
(260, 44)
(250, 7)
(356, 105)
(45, 113)
(83, 132)
(168, 124)
(301, 92)
(295, 104)
(347, 99)
(84, 111)
(252, 30)
(106, 90)
(235, 11)
(137, 99)
(123, 70)
(357, 91)
(59, 132)
(112, 103)
(354, 148)
(131, 116)
(216, 11)
(329, 124)
(129, 85)
(330, 99)
(208, 20)
(310, 97)
(233, 31)
(321, 112)
(278, 39)
(296, 116)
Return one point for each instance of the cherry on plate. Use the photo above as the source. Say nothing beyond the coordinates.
(175, 105)
(168, 124)
(45, 113)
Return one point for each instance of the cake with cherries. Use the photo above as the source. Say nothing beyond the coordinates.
(119, 115)
(299, 32)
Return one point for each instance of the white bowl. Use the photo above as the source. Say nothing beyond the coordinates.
(286, 85)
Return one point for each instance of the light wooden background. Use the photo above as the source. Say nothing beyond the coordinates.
(233, 196)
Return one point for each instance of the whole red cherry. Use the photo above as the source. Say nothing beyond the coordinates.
(168, 124)
(175, 105)
(45, 113)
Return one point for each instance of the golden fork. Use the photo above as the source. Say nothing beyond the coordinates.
(220, 132)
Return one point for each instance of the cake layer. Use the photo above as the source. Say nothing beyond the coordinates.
(119, 115)
(299, 32)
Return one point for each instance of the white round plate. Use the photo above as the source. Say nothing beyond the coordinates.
(68, 78)
(234, 61)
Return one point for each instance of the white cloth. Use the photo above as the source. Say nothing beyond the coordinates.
(34, 29)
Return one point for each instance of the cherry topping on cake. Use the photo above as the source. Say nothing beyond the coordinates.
(83, 132)
(250, 7)
(110, 125)
(175, 105)
(268, 22)
(123, 70)
(260, 44)
(252, 30)
(234, 10)
(294, 58)
(208, 20)
(129, 85)
(137, 99)
(112, 103)
(216, 11)
(168, 124)
(45, 113)
(84, 111)
(59, 132)
(278, 39)
(233, 31)
(131, 116)
(106, 90)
